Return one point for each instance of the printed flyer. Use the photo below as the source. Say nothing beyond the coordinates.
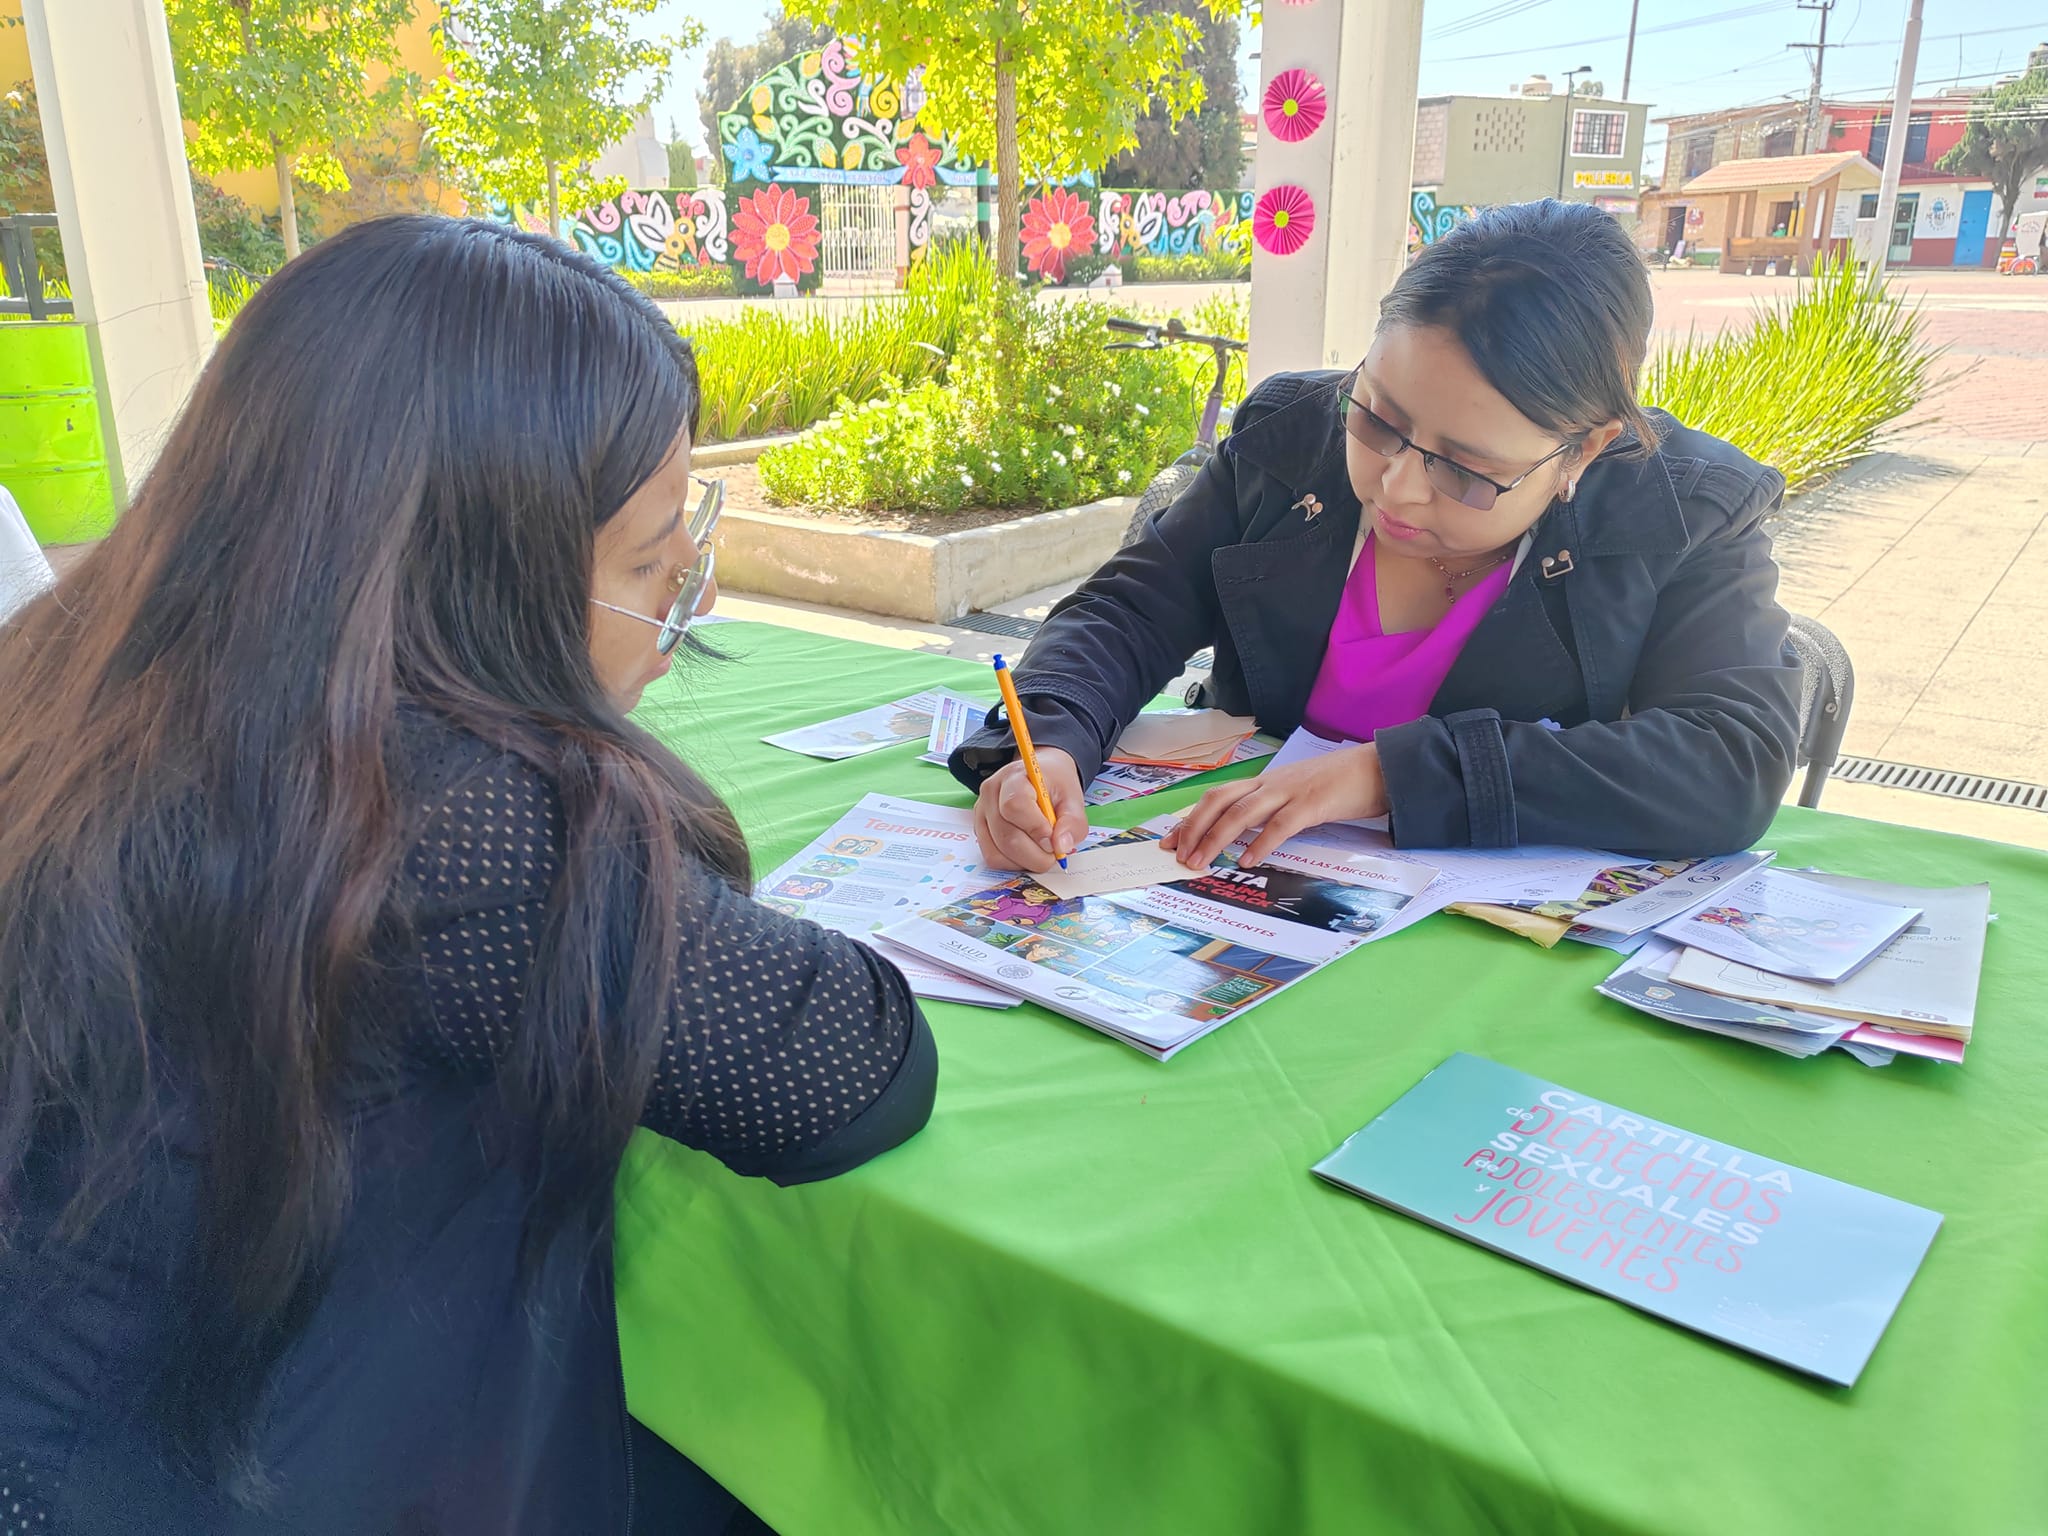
(1788, 1264)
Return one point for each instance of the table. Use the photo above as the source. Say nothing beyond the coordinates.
(1102, 1294)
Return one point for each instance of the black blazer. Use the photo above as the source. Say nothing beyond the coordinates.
(1643, 621)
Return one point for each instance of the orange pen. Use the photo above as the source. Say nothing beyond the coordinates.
(1022, 732)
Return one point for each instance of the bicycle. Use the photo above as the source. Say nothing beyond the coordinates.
(1180, 474)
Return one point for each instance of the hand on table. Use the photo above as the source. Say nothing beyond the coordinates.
(1338, 786)
(1009, 825)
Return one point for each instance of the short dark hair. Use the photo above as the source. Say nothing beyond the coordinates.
(1553, 304)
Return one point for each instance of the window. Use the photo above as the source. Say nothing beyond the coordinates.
(1780, 141)
(1600, 134)
(1917, 128)
(1867, 208)
(1699, 155)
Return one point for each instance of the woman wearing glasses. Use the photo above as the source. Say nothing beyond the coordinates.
(349, 927)
(1509, 604)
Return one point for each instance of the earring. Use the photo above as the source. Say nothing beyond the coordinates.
(1571, 489)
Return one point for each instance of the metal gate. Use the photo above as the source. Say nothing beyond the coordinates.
(858, 227)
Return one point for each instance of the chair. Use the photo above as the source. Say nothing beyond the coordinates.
(1826, 690)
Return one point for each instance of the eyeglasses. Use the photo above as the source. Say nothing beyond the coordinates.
(1453, 479)
(690, 589)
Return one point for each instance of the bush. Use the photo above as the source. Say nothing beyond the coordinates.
(1033, 413)
(714, 282)
(772, 370)
(232, 231)
(1225, 263)
(226, 292)
(1083, 270)
(1813, 384)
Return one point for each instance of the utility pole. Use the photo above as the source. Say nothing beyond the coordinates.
(1820, 53)
(1628, 62)
(1876, 245)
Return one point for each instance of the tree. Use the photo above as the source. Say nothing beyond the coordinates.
(1207, 151)
(1052, 86)
(682, 165)
(537, 89)
(24, 166)
(284, 83)
(2006, 139)
(730, 69)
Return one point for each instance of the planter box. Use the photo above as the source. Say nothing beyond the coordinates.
(913, 575)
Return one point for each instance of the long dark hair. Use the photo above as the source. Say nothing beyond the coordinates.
(1551, 301)
(382, 496)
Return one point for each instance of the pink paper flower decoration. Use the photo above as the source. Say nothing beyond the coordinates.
(1283, 220)
(1294, 105)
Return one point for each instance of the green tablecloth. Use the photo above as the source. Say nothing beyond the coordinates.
(1101, 1294)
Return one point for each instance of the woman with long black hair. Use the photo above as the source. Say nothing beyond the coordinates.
(1503, 602)
(348, 928)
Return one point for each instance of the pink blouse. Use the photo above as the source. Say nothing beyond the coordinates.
(1370, 680)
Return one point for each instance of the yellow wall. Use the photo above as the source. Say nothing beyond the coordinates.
(258, 188)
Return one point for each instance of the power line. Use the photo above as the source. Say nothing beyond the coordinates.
(1615, 37)
(1487, 17)
(1820, 53)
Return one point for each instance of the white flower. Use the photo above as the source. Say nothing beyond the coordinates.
(1123, 476)
(1116, 389)
(1060, 456)
(1053, 390)
(967, 479)
(1142, 409)
(994, 468)
(1068, 428)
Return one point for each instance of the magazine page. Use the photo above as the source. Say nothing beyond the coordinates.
(1792, 926)
(883, 860)
(1632, 899)
(1733, 1244)
(869, 730)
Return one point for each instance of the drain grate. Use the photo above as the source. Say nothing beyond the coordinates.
(1006, 625)
(1942, 781)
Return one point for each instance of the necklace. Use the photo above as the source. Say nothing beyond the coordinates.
(1452, 578)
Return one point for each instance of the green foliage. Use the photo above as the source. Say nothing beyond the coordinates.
(731, 69)
(226, 293)
(536, 89)
(682, 166)
(690, 283)
(773, 370)
(230, 230)
(265, 81)
(2006, 139)
(1032, 412)
(24, 167)
(1206, 150)
(1222, 264)
(1083, 270)
(1814, 383)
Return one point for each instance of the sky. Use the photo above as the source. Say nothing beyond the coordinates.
(1691, 55)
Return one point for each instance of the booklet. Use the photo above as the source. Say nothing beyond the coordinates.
(1922, 983)
(870, 730)
(883, 860)
(955, 717)
(1619, 904)
(1771, 1258)
(1789, 925)
(1160, 967)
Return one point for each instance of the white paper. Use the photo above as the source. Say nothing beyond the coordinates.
(1303, 745)
(1925, 979)
(870, 730)
(24, 572)
(1688, 885)
(1116, 866)
(1790, 925)
(1126, 781)
(1644, 982)
(955, 718)
(882, 861)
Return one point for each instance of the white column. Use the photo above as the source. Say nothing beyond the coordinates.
(1316, 308)
(124, 207)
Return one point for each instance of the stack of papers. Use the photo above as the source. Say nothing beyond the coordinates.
(1913, 991)
(1161, 966)
(868, 730)
(1126, 781)
(1621, 903)
(1196, 739)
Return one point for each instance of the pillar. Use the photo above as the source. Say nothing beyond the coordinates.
(124, 208)
(1316, 307)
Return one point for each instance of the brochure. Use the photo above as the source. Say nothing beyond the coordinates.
(883, 860)
(1619, 904)
(1922, 983)
(1771, 1258)
(1790, 925)
(1160, 967)
(870, 730)
(955, 718)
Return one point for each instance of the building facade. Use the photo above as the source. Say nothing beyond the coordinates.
(1475, 151)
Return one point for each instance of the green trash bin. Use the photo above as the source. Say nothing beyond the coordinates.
(53, 453)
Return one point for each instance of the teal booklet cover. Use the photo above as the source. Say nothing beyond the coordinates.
(1801, 1269)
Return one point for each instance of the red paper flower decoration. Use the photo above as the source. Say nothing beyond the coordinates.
(1295, 105)
(1283, 220)
(1057, 227)
(775, 235)
(920, 159)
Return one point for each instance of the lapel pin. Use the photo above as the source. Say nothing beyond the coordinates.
(1309, 506)
(1559, 564)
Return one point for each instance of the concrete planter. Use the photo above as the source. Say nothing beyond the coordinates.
(912, 575)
